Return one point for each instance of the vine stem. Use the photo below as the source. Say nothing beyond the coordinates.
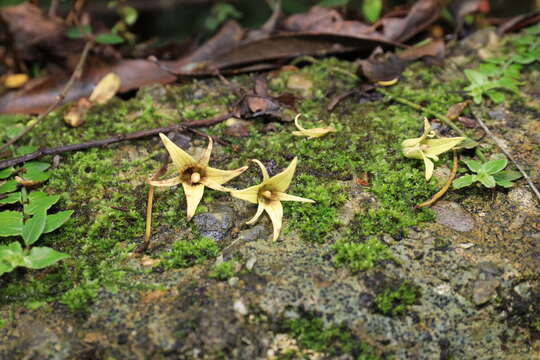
(114, 139)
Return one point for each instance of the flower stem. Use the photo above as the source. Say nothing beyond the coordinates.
(446, 186)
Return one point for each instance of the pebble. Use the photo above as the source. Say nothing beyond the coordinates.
(484, 290)
(453, 216)
(217, 224)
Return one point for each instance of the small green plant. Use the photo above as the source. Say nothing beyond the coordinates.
(30, 224)
(501, 74)
(360, 256)
(394, 302)
(222, 271)
(86, 31)
(188, 253)
(220, 13)
(488, 174)
(311, 333)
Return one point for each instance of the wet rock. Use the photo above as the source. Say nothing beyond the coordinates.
(253, 234)
(484, 291)
(453, 216)
(217, 224)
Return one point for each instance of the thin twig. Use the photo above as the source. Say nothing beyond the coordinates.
(507, 153)
(446, 186)
(75, 76)
(114, 139)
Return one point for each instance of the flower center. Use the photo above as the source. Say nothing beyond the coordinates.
(424, 147)
(267, 194)
(195, 177)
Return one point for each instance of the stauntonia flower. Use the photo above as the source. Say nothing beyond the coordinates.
(311, 133)
(269, 194)
(195, 175)
(426, 148)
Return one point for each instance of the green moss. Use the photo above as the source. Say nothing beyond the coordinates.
(223, 271)
(311, 333)
(360, 256)
(317, 221)
(394, 302)
(188, 253)
(79, 298)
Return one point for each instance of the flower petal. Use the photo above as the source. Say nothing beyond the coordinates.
(205, 158)
(281, 181)
(179, 157)
(222, 176)
(275, 211)
(297, 124)
(194, 194)
(214, 185)
(263, 169)
(249, 194)
(286, 197)
(429, 167)
(169, 182)
(311, 133)
(260, 210)
(427, 129)
(438, 146)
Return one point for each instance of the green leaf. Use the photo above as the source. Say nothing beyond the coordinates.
(5, 173)
(8, 186)
(25, 150)
(332, 3)
(36, 166)
(487, 180)
(473, 165)
(11, 198)
(110, 39)
(54, 221)
(41, 257)
(496, 96)
(371, 9)
(463, 181)
(36, 175)
(129, 14)
(7, 3)
(38, 201)
(5, 267)
(33, 228)
(489, 69)
(494, 166)
(468, 143)
(508, 175)
(504, 183)
(78, 32)
(11, 256)
(475, 77)
(11, 223)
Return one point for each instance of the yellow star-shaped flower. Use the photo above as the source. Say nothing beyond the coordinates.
(426, 148)
(269, 194)
(195, 175)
